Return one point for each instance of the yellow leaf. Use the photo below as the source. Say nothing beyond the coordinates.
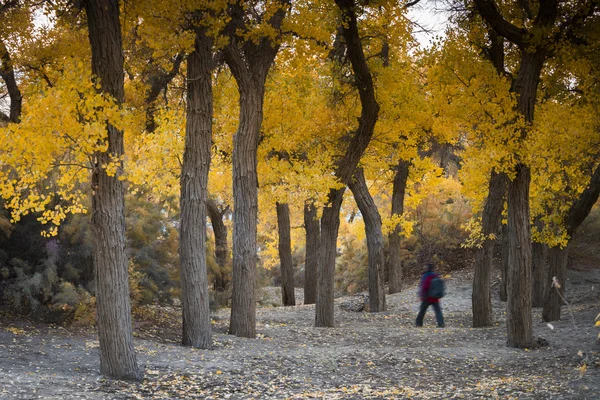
(582, 370)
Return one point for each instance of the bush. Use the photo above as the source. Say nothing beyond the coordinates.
(52, 279)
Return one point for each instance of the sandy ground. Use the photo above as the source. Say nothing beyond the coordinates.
(366, 355)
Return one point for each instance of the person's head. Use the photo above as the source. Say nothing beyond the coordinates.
(429, 267)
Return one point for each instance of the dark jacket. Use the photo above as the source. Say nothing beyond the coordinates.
(424, 287)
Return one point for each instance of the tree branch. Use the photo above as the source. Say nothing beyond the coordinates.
(488, 10)
(581, 207)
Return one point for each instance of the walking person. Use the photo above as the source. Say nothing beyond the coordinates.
(431, 290)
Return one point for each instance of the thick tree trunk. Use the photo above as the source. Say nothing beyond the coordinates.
(249, 61)
(330, 223)
(539, 252)
(532, 58)
(375, 247)
(504, 263)
(394, 259)
(117, 355)
(194, 187)
(285, 255)
(330, 220)
(245, 206)
(221, 248)
(555, 294)
(492, 214)
(7, 73)
(518, 317)
(311, 262)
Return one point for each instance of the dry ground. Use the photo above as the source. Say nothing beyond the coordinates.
(366, 356)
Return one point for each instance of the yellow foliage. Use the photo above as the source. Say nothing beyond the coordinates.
(67, 122)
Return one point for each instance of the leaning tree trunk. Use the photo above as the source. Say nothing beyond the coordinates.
(311, 262)
(539, 252)
(375, 246)
(117, 355)
(492, 214)
(394, 260)
(330, 220)
(555, 292)
(504, 263)
(285, 255)
(221, 249)
(7, 73)
(518, 317)
(194, 187)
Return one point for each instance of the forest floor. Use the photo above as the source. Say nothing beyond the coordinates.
(375, 356)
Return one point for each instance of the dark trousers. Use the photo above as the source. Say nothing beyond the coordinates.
(438, 313)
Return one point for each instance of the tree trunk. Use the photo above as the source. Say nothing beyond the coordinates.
(539, 252)
(311, 262)
(221, 279)
(492, 214)
(245, 200)
(285, 255)
(375, 247)
(394, 260)
(330, 223)
(249, 61)
(504, 263)
(7, 73)
(557, 258)
(518, 317)
(532, 57)
(330, 220)
(117, 355)
(194, 187)
(577, 213)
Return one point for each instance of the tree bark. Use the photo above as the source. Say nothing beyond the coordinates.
(249, 62)
(221, 279)
(194, 187)
(117, 355)
(7, 73)
(394, 261)
(539, 252)
(375, 246)
(492, 214)
(245, 199)
(330, 224)
(504, 263)
(330, 221)
(311, 262)
(518, 317)
(557, 258)
(532, 58)
(285, 255)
